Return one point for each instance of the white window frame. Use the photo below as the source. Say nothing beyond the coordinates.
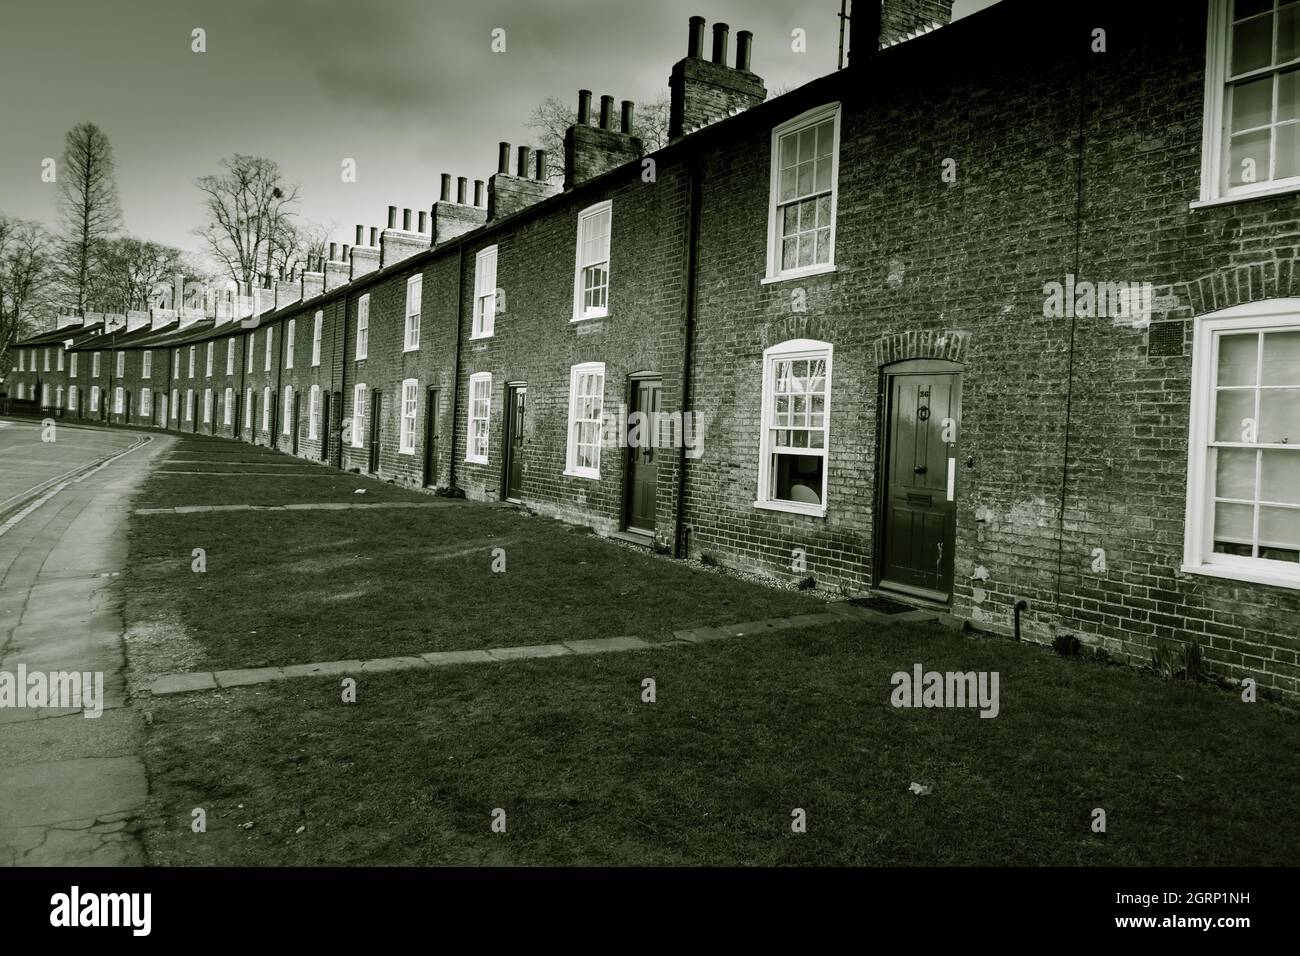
(45, 394)
(358, 414)
(72, 398)
(119, 399)
(176, 363)
(485, 294)
(46, 351)
(227, 400)
(207, 366)
(22, 361)
(1198, 543)
(58, 396)
(410, 406)
(1217, 56)
(72, 364)
(190, 373)
(189, 404)
(483, 379)
(287, 414)
(288, 343)
(317, 325)
(230, 357)
(146, 403)
(411, 327)
(774, 272)
(313, 413)
(250, 400)
(266, 408)
(248, 359)
(176, 404)
(119, 370)
(580, 313)
(146, 364)
(363, 327)
(207, 406)
(270, 347)
(571, 467)
(58, 360)
(94, 398)
(792, 350)
(94, 365)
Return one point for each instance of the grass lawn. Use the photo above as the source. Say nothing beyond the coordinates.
(294, 587)
(742, 732)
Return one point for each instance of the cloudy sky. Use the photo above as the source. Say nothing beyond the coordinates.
(408, 88)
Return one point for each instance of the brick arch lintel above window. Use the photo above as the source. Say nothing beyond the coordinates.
(1273, 278)
(950, 344)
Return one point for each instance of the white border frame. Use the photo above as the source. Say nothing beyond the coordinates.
(359, 413)
(402, 447)
(773, 272)
(362, 354)
(1216, 78)
(792, 349)
(489, 328)
(578, 314)
(415, 280)
(470, 457)
(1198, 558)
(570, 469)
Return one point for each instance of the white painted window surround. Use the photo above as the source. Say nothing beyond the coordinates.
(586, 408)
(592, 268)
(409, 409)
(1243, 469)
(480, 412)
(794, 438)
(803, 195)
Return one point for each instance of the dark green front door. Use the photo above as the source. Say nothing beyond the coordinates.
(516, 422)
(920, 528)
(642, 467)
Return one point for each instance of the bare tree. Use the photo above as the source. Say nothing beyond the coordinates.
(27, 277)
(250, 228)
(553, 116)
(130, 270)
(88, 206)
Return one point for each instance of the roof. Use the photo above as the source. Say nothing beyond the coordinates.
(60, 335)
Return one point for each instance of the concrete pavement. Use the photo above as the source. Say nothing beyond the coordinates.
(69, 785)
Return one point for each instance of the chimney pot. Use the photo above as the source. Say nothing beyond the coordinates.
(392, 217)
(478, 192)
(460, 190)
(445, 195)
(720, 31)
(345, 252)
(627, 118)
(540, 158)
(361, 235)
(695, 45)
(744, 45)
(424, 222)
(374, 236)
(521, 166)
(406, 220)
(584, 107)
(503, 159)
(606, 112)
(334, 251)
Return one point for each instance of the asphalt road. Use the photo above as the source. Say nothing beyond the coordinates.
(27, 462)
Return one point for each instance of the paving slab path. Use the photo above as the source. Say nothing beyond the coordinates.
(69, 784)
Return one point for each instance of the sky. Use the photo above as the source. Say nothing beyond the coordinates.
(409, 89)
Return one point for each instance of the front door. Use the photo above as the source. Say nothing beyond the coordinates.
(431, 403)
(516, 410)
(325, 427)
(127, 420)
(293, 426)
(924, 412)
(376, 406)
(642, 467)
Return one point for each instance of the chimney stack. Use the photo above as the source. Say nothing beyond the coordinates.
(590, 151)
(720, 31)
(899, 20)
(450, 219)
(705, 91)
(398, 244)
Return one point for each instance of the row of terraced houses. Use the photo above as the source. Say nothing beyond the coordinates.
(1003, 319)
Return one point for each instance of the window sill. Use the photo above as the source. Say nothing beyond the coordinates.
(589, 475)
(360, 358)
(413, 349)
(1244, 576)
(476, 461)
(799, 274)
(590, 315)
(1277, 189)
(481, 335)
(790, 507)
(406, 451)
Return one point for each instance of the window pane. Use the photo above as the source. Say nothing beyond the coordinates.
(807, 250)
(789, 253)
(1281, 359)
(1248, 8)
(823, 178)
(823, 245)
(789, 150)
(1252, 104)
(1248, 158)
(1252, 45)
(807, 144)
(1288, 95)
(1288, 151)
(798, 478)
(1279, 534)
(790, 220)
(1235, 473)
(1233, 408)
(805, 179)
(1233, 529)
(1279, 416)
(1288, 33)
(1281, 478)
(1237, 357)
(787, 184)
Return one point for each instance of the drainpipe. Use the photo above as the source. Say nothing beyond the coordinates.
(691, 257)
(455, 371)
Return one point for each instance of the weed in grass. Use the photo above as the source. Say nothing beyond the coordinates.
(708, 560)
(807, 584)
(1067, 645)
